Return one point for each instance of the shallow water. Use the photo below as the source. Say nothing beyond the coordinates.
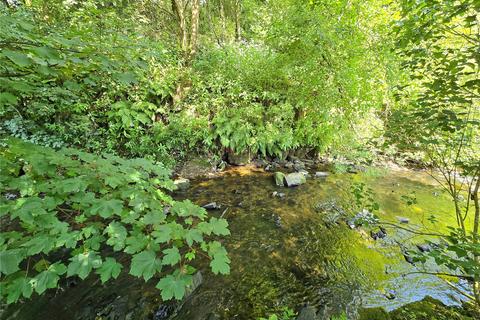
(284, 252)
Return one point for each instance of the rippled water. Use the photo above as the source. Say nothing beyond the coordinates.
(283, 253)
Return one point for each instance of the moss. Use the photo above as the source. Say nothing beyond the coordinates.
(429, 309)
(373, 314)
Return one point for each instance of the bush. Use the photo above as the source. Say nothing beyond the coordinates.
(71, 213)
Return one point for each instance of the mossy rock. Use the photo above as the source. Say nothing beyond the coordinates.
(279, 179)
(373, 314)
(429, 309)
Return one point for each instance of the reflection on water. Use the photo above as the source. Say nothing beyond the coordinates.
(283, 253)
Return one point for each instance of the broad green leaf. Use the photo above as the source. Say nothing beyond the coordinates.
(193, 235)
(145, 264)
(171, 256)
(107, 208)
(83, 263)
(18, 58)
(173, 286)
(48, 279)
(21, 286)
(110, 268)
(117, 234)
(220, 264)
(219, 226)
(10, 259)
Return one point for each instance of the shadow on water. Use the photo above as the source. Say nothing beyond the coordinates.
(283, 253)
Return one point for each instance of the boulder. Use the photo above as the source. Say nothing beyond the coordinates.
(238, 159)
(294, 179)
(279, 178)
(181, 184)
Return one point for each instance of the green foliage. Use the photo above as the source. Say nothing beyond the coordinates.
(71, 213)
(364, 197)
(286, 314)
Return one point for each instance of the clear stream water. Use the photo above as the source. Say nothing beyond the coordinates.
(282, 252)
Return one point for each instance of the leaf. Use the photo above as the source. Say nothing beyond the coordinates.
(77, 184)
(107, 208)
(117, 234)
(21, 286)
(48, 279)
(39, 243)
(18, 58)
(186, 208)
(126, 78)
(145, 264)
(220, 264)
(219, 226)
(10, 259)
(193, 235)
(110, 268)
(154, 217)
(171, 256)
(174, 286)
(83, 263)
(163, 234)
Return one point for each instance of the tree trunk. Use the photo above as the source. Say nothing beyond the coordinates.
(223, 20)
(195, 25)
(238, 28)
(476, 282)
(178, 7)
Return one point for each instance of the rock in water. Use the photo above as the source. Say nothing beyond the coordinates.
(424, 247)
(321, 174)
(307, 313)
(181, 184)
(391, 294)
(279, 179)
(294, 179)
(212, 206)
(403, 220)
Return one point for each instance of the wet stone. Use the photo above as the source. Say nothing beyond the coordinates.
(212, 206)
(403, 220)
(294, 179)
(321, 174)
(424, 247)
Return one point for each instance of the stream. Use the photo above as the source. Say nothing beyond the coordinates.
(285, 252)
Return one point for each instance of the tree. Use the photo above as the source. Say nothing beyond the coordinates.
(438, 41)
